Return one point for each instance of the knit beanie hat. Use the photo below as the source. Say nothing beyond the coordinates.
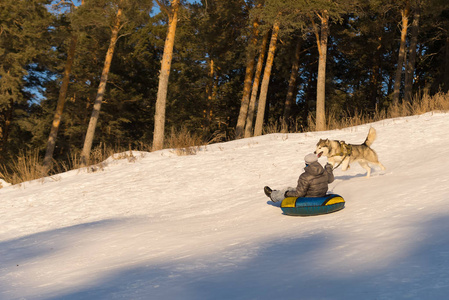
(310, 158)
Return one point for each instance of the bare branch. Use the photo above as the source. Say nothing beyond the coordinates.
(125, 34)
(61, 3)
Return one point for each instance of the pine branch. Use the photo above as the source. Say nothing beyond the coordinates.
(163, 7)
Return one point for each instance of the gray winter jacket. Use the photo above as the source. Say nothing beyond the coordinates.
(313, 182)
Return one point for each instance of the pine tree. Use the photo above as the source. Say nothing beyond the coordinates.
(118, 14)
(322, 35)
(410, 66)
(255, 88)
(250, 64)
(209, 48)
(159, 116)
(287, 14)
(266, 80)
(289, 100)
(61, 100)
(326, 11)
(24, 37)
(405, 11)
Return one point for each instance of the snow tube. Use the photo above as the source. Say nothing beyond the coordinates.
(311, 206)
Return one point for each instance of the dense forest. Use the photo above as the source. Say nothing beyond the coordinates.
(123, 73)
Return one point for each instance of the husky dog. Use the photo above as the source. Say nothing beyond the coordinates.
(338, 152)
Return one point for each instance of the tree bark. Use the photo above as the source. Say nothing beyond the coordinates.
(210, 96)
(401, 55)
(255, 89)
(100, 93)
(410, 70)
(266, 80)
(60, 106)
(289, 100)
(159, 116)
(6, 128)
(376, 76)
(446, 68)
(248, 80)
(321, 79)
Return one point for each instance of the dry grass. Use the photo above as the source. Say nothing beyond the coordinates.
(183, 142)
(418, 106)
(28, 165)
(275, 127)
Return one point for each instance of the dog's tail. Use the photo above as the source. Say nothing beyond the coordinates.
(371, 137)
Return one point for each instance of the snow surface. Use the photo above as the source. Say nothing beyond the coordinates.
(163, 226)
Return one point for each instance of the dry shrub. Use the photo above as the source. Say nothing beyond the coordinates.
(73, 160)
(217, 137)
(335, 120)
(427, 103)
(419, 105)
(101, 152)
(331, 120)
(183, 141)
(397, 110)
(311, 123)
(27, 166)
(378, 115)
(97, 157)
(275, 127)
(441, 102)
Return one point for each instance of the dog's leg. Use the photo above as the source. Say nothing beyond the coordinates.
(380, 165)
(377, 163)
(345, 165)
(365, 165)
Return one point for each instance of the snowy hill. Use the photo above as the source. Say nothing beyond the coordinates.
(194, 227)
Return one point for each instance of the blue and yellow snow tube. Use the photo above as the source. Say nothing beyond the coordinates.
(311, 206)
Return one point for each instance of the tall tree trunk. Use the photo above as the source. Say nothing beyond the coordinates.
(309, 94)
(250, 62)
(446, 68)
(100, 93)
(321, 79)
(289, 100)
(266, 80)
(210, 96)
(401, 55)
(6, 128)
(6, 117)
(60, 106)
(159, 116)
(255, 89)
(410, 70)
(375, 76)
(51, 143)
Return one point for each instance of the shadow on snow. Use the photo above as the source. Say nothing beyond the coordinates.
(281, 269)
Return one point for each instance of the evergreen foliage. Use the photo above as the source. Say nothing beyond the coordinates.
(208, 66)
